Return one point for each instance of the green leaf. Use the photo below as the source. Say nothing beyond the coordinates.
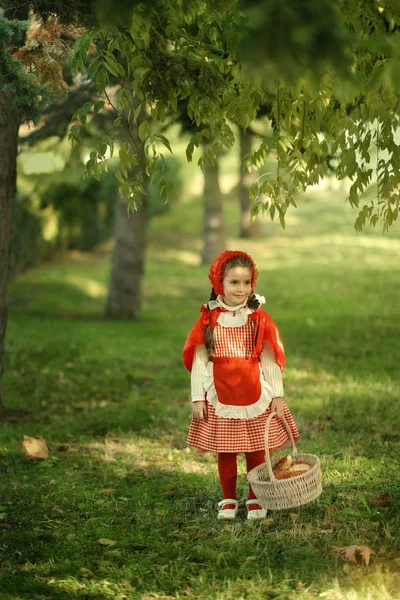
(137, 113)
(137, 91)
(86, 108)
(102, 80)
(164, 140)
(82, 44)
(94, 66)
(189, 151)
(98, 105)
(75, 133)
(111, 63)
(144, 129)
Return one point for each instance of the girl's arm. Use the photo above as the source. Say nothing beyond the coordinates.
(198, 393)
(273, 376)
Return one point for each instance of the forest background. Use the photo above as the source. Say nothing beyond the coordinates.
(121, 508)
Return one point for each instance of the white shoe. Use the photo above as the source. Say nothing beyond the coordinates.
(228, 513)
(258, 513)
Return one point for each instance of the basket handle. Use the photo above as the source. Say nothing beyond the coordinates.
(267, 456)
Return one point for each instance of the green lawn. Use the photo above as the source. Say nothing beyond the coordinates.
(122, 509)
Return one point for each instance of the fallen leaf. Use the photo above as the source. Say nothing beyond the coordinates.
(267, 521)
(382, 500)
(34, 448)
(332, 510)
(107, 542)
(138, 546)
(350, 553)
(108, 491)
(126, 584)
(365, 554)
(63, 448)
(204, 534)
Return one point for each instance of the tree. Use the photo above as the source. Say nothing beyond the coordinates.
(125, 288)
(18, 97)
(21, 93)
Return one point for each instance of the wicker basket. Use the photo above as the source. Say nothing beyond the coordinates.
(285, 493)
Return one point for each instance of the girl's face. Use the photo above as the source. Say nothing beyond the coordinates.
(237, 285)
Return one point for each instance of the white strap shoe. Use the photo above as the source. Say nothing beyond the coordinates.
(257, 513)
(228, 513)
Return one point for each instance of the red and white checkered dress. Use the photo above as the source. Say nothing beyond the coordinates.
(220, 434)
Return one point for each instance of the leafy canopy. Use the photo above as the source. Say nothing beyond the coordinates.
(334, 109)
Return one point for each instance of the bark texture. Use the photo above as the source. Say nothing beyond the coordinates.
(247, 227)
(9, 126)
(127, 268)
(214, 236)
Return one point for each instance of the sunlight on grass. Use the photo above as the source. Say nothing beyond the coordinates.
(369, 590)
(143, 453)
(91, 287)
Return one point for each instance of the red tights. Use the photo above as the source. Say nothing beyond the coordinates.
(227, 470)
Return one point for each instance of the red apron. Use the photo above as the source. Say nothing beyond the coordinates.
(237, 380)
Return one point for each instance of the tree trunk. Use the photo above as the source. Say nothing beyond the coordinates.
(9, 126)
(127, 266)
(247, 227)
(125, 291)
(214, 237)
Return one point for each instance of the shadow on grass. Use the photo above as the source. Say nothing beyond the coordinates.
(54, 299)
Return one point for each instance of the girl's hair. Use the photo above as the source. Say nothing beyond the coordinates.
(252, 302)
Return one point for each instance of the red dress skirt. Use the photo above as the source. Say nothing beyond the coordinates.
(217, 434)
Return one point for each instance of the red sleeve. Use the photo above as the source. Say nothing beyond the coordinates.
(195, 337)
(268, 332)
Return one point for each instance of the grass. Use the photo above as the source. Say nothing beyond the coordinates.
(122, 508)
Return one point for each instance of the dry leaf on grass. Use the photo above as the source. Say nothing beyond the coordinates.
(126, 584)
(63, 448)
(332, 510)
(350, 553)
(107, 542)
(170, 494)
(34, 448)
(382, 500)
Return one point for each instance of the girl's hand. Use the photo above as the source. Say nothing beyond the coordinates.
(199, 410)
(277, 406)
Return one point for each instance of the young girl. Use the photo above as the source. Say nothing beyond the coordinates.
(236, 357)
